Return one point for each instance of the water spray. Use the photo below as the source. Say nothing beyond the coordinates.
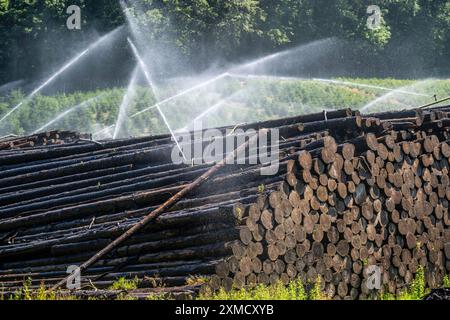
(125, 103)
(389, 94)
(232, 72)
(363, 85)
(164, 101)
(198, 86)
(65, 113)
(105, 129)
(266, 77)
(149, 81)
(210, 109)
(10, 85)
(35, 91)
(279, 54)
(57, 73)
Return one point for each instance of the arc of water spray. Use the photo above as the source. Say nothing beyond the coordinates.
(268, 77)
(261, 60)
(205, 83)
(363, 85)
(233, 72)
(104, 130)
(209, 81)
(389, 94)
(98, 134)
(198, 86)
(10, 85)
(125, 103)
(35, 91)
(150, 84)
(57, 73)
(211, 109)
(139, 36)
(164, 101)
(279, 54)
(68, 111)
(132, 116)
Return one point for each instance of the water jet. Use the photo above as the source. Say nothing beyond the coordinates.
(150, 84)
(61, 70)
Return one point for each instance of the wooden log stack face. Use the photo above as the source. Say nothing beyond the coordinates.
(352, 191)
(381, 200)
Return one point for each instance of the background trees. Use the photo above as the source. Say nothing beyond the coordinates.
(413, 39)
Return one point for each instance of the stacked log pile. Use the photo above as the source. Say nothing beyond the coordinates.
(351, 191)
(41, 139)
(60, 205)
(378, 200)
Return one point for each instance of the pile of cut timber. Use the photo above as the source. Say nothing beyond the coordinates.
(351, 191)
(40, 139)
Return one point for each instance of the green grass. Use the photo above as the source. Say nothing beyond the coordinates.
(278, 291)
(416, 290)
(446, 282)
(295, 290)
(125, 284)
(26, 293)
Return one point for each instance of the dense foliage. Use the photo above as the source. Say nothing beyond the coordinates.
(413, 36)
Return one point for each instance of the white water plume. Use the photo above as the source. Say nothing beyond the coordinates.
(301, 54)
(61, 70)
(60, 116)
(182, 93)
(238, 71)
(363, 85)
(150, 84)
(10, 85)
(398, 95)
(267, 77)
(210, 109)
(127, 98)
(44, 84)
(166, 101)
(102, 132)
